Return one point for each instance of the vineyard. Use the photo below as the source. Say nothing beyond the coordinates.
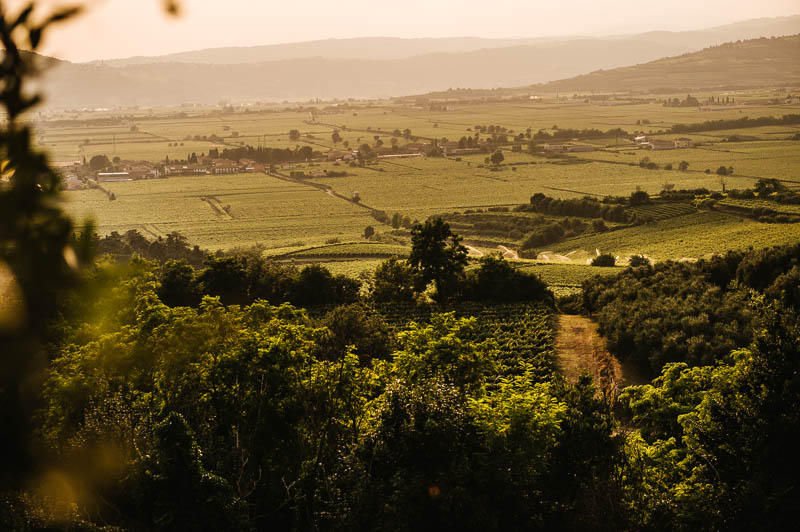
(261, 209)
(566, 278)
(349, 250)
(523, 332)
(761, 204)
(662, 211)
(691, 236)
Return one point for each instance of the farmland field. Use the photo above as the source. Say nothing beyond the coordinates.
(263, 210)
(292, 218)
(692, 236)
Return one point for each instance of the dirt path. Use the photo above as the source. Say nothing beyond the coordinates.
(581, 349)
(508, 253)
(474, 252)
(217, 207)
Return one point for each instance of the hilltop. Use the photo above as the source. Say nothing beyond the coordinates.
(753, 63)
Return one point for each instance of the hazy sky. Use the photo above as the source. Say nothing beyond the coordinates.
(122, 28)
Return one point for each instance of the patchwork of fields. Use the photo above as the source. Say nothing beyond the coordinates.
(285, 215)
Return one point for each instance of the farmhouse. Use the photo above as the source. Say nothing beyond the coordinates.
(553, 148)
(335, 155)
(224, 166)
(658, 144)
(683, 142)
(141, 171)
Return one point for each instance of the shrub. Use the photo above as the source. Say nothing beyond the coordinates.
(638, 260)
(604, 260)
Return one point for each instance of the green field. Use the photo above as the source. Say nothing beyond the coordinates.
(263, 210)
(692, 236)
(284, 216)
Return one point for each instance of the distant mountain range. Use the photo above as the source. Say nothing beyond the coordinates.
(370, 67)
(387, 48)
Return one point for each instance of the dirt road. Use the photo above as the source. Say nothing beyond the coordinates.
(581, 349)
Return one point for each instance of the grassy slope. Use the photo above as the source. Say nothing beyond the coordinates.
(692, 236)
(756, 62)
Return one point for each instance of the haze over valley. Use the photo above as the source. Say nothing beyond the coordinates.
(384, 67)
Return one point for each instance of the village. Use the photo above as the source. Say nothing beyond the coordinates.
(78, 175)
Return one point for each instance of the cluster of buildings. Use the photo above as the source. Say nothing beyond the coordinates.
(209, 165)
(648, 143)
(76, 175)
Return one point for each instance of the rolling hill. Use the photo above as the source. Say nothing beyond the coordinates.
(752, 63)
(386, 73)
(155, 84)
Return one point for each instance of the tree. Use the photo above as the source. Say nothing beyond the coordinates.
(683, 166)
(365, 152)
(765, 187)
(497, 157)
(224, 277)
(395, 280)
(37, 248)
(173, 491)
(640, 197)
(178, 288)
(356, 327)
(368, 232)
(317, 285)
(497, 280)
(294, 134)
(438, 256)
(443, 349)
(99, 162)
(336, 137)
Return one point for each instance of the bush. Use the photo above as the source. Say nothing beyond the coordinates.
(605, 260)
(638, 260)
